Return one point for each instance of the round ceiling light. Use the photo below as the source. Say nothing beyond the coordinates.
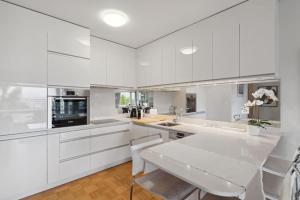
(114, 18)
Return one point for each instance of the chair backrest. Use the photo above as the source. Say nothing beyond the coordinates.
(137, 162)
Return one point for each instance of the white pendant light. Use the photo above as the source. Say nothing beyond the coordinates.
(114, 18)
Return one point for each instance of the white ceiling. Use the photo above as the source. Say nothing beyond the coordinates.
(149, 19)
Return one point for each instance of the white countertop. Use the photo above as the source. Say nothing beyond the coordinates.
(226, 156)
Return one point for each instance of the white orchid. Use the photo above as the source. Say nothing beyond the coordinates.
(259, 97)
(262, 91)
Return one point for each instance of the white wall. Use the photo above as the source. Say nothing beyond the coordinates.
(289, 67)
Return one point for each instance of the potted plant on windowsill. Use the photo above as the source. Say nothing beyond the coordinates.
(261, 96)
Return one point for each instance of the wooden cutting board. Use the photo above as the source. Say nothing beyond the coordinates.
(152, 119)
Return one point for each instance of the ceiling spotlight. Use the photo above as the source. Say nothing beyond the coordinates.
(188, 50)
(114, 18)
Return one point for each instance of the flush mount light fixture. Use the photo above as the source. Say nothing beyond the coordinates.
(188, 50)
(114, 18)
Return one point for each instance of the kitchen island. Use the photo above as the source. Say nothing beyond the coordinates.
(222, 160)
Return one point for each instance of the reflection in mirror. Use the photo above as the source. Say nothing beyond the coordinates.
(230, 103)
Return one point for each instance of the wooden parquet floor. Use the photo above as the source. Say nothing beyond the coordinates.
(110, 184)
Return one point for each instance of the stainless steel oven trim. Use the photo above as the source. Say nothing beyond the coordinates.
(54, 93)
(62, 92)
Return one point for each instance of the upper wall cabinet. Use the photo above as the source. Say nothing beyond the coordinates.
(184, 56)
(112, 64)
(67, 38)
(225, 45)
(149, 66)
(130, 68)
(68, 71)
(168, 60)
(202, 57)
(98, 64)
(258, 37)
(23, 46)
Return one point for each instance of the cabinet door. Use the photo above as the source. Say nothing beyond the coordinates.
(68, 71)
(23, 166)
(168, 60)
(67, 38)
(155, 57)
(130, 68)
(98, 63)
(258, 37)
(143, 67)
(115, 65)
(202, 58)
(225, 46)
(110, 157)
(23, 49)
(184, 56)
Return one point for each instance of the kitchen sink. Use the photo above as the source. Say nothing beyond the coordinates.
(168, 124)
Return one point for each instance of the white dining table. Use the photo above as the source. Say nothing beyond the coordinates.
(223, 163)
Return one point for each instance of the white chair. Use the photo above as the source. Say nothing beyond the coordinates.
(156, 181)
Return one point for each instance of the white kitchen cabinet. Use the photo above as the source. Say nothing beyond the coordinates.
(168, 60)
(155, 57)
(225, 45)
(129, 68)
(23, 166)
(258, 37)
(115, 65)
(140, 134)
(184, 56)
(67, 71)
(67, 38)
(23, 49)
(53, 158)
(110, 157)
(98, 63)
(149, 65)
(72, 149)
(202, 58)
(104, 142)
(74, 168)
(143, 68)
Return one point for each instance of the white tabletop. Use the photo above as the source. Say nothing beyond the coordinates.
(219, 162)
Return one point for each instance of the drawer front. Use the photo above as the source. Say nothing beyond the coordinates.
(109, 157)
(109, 141)
(74, 148)
(110, 129)
(75, 167)
(74, 135)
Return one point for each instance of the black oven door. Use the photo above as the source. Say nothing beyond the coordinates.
(69, 111)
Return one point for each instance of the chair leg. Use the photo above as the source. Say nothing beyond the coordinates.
(131, 191)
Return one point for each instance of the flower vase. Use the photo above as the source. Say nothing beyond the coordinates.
(254, 130)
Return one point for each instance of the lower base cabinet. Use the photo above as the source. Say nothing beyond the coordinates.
(110, 157)
(77, 153)
(23, 166)
(140, 134)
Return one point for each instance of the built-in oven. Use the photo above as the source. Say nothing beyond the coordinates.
(67, 107)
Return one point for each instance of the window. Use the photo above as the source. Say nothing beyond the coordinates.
(124, 99)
